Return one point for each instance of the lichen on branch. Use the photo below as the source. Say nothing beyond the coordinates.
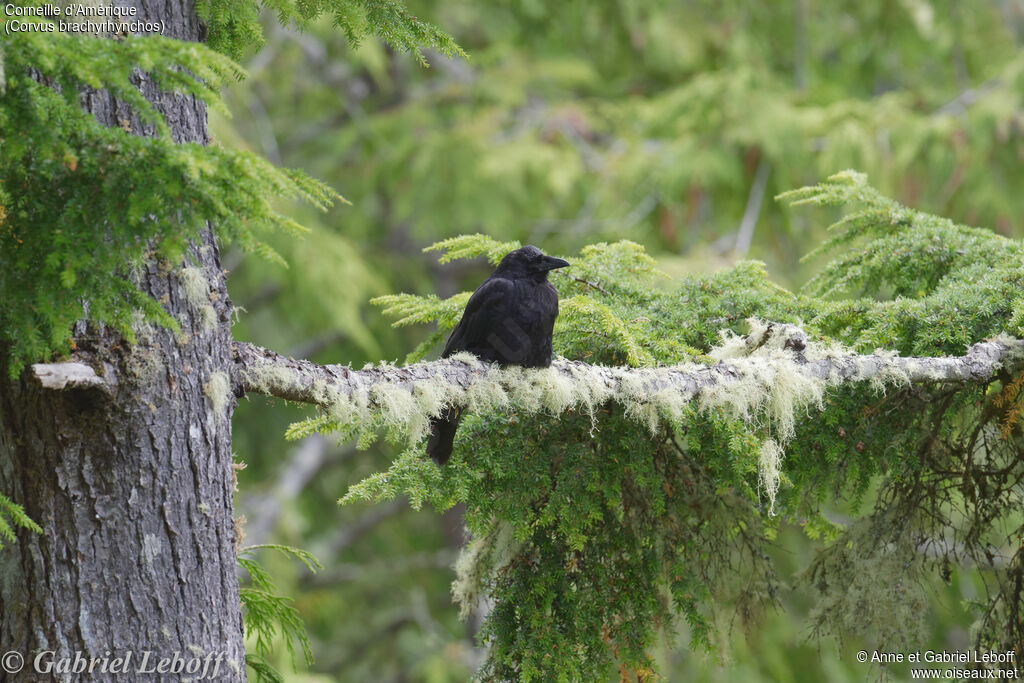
(765, 379)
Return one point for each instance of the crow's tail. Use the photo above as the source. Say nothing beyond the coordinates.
(442, 435)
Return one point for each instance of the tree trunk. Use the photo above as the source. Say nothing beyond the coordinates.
(131, 482)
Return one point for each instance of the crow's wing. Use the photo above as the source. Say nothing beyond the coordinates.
(484, 311)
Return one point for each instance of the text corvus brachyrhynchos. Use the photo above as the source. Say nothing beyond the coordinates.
(508, 321)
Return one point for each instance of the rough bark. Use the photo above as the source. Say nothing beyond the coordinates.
(130, 476)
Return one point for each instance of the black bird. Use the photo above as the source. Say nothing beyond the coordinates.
(507, 321)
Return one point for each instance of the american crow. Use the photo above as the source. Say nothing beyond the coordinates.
(508, 321)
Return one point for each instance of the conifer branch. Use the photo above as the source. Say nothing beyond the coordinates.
(262, 371)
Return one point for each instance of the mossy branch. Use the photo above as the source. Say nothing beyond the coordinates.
(746, 378)
(763, 379)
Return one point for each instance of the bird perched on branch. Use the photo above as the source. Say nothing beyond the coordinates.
(508, 321)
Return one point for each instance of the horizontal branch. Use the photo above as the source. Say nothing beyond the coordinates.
(772, 350)
(764, 379)
(265, 372)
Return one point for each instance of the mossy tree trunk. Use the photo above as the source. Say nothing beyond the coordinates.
(132, 482)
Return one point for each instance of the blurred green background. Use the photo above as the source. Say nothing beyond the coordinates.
(669, 124)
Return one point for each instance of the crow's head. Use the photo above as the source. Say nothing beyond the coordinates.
(528, 262)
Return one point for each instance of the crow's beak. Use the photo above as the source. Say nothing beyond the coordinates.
(552, 263)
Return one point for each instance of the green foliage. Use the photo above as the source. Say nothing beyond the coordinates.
(599, 525)
(326, 262)
(233, 25)
(265, 673)
(922, 284)
(471, 246)
(268, 614)
(13, 514)
(578, 123)
(411, 309)
(82, 205)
